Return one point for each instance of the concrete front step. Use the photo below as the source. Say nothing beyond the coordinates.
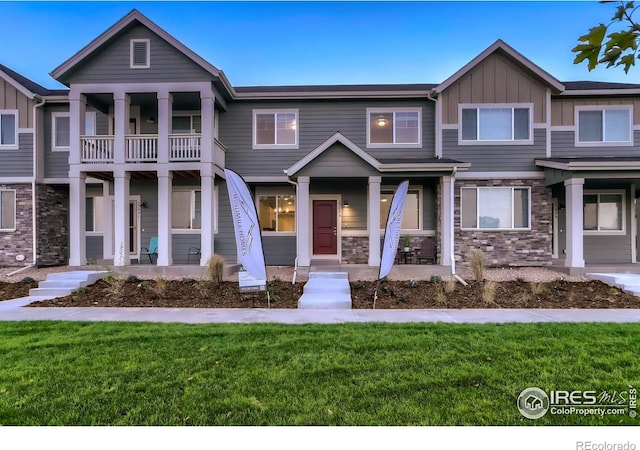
(628, 282)
(64, 283)
(326, 290)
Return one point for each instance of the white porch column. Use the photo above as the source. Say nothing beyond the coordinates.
(121, 218)
(165, 111)
(575, 224)
(122, 104)
(77, 220)
(107, 217)
(77, 109)
(207, 216)
(374, 220)
(165, 182)
(446, 220)
(207, 101)
(303, 226)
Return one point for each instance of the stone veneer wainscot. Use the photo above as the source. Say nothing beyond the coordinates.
(20, 241)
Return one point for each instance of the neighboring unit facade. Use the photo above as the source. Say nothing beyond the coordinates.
(500, 157)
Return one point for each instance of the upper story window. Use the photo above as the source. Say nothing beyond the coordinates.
(60, 134)
(398, 127)
(610, 125)
(9, 129)
(496, 208)
(7, 210)
(275, 128)
(496, 124)
(140, 54)
(185, 123)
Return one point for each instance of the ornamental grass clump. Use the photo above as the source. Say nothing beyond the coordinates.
(477, 264)
(215, 268)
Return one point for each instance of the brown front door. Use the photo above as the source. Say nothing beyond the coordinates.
(325, 239)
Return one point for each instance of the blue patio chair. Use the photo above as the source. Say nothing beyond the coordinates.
(151, 250)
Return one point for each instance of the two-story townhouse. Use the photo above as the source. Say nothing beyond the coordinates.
(501, 156)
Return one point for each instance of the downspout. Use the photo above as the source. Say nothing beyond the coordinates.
(34, 247)
(295, 263)
(452, 228)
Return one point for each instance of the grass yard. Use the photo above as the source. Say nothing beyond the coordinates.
(66, 373)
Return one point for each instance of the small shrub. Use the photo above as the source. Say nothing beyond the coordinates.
(160, 288)
(27, 280)
(187, 280)
(450, 286)
(411, 284)
(203, 289)
(489, 292)
(435, 279)
(383, 280)
(132, 279)
(82, 290)
(476, 258)
(215, 268)
(441, 297)
(402, 299)
(357, 285)
(538, 288)
(115, 288)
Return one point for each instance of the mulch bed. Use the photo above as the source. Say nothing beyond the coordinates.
(9, 291)
(391, 295)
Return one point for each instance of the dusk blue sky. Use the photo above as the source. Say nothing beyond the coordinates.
(289, 43)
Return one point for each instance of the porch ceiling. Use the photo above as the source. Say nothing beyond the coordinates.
(147, 175)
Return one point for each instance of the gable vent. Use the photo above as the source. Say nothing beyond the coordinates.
(140, 54)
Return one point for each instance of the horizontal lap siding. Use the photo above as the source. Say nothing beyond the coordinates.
(279, 250)
(148, 192)
(18, 163)
(318, 120)
(181, 243)
(225, 241)
(563, 146)
(111, 65)
(338, 161)
(94, 247)
(495, 157)
(607, 249)
(56, 164)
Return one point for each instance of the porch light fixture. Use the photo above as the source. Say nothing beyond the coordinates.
(384, 200)
(381, 122)
(346, 204)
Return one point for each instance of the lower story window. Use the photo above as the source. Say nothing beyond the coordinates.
(8, 210)
(277, 212)
(410, 214)
(604, 212)
(186, 209)
(495, 208)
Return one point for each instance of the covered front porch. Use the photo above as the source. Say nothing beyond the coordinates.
(594, 212)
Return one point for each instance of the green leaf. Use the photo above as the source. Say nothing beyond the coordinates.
(628, 61)
(619, 13)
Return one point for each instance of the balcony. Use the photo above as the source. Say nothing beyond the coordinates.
(144, 148)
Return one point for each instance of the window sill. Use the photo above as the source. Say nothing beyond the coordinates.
(7, 230)
(604, 144)
(496, 229)
(278, 233)
(185, 231)
(275, 146)
(514, 142)
(604, 233)
(60, 149)
(391, 145)
(9, 147)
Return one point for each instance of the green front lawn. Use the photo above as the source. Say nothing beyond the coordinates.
(66, 373)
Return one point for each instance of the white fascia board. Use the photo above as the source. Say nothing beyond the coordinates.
(583, 92)
(329, 94)
(500, 44)
(590, 165)
(17, 85)
(422, 167)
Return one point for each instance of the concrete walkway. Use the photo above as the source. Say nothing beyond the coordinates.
(12, 311)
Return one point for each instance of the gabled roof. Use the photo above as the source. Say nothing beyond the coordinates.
(337, 137)
(126, 21)
(503, 47)
(23, 84)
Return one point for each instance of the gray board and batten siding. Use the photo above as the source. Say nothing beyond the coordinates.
(12, 98)
(502, 158)
(318, 120)
(111, 64)
(563, 146)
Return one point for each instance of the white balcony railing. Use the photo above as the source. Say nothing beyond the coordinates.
(96, 149)
(184, 147)
(141, 148)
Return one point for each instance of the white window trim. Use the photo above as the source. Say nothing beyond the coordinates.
(54, 116)
(274, 192)
(131, 63)
(193, 203)
(602, 143)
(15, 210)
(371, 111)
(420, 204)
(512, 228)
(512, 106)
(598, 192)
(15, 146)
(275, 111)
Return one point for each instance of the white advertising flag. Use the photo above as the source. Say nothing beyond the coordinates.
(392, 232)
(246, 226)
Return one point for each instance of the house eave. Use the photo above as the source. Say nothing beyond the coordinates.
(329, 95)
(426, 167)
(589, 165)
(589, 92)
